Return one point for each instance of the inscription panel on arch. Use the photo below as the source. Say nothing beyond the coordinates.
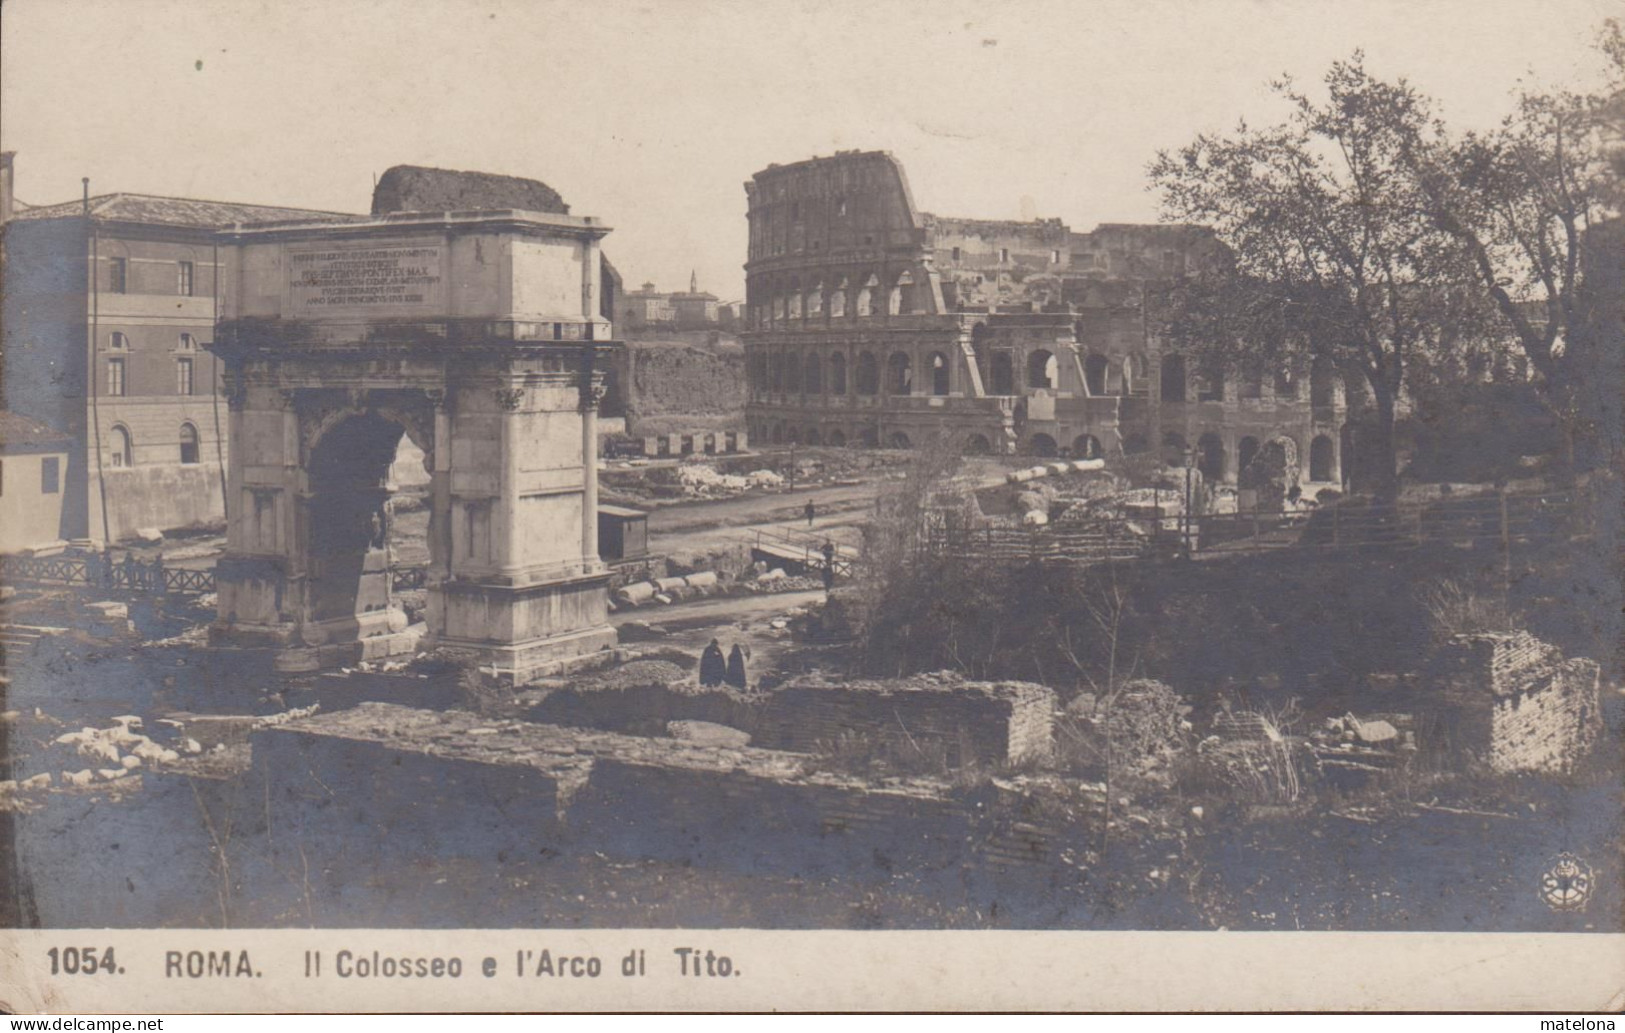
(367, 280)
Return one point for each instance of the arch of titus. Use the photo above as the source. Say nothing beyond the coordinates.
(476, 334)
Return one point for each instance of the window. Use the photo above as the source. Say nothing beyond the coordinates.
(118, 275)
(50, 475)
(115, 378)
(119, 453)
(189, 449)
(183, 278)
(188, 343)
(1054, 258)
(183, 376)
(1004, 255)
(118, 342)
(956, 254)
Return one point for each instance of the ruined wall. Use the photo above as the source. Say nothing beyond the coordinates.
(976, 722)
(452, 783)
(1548, 723)
(1520, 705)
(682, 381)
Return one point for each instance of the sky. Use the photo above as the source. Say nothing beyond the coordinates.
(651, 115)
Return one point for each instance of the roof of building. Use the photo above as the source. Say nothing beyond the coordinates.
(19, 433)
(176, 211)
(415, 188)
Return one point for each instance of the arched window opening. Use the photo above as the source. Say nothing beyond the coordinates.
(812, 381)
(900, 374)
(1042, 370)
(1322, 457)
(1002, 373)
(869, 438)
(1094, 373)
(1210, 386)
(775, 376)
(837, 439)
(1174, 448)
(795, 305)
(900, 440)
(866, 297)
(868, 374)
(1286, 386)
(1136, 374)
(837, 302)
(815, 302)
(902, 294)
(118, 342)
(939, 374)
(813, 437)
(1251, 386)
(1041, 445)
(189, 445)
(120, 451)
(978, 445)
(1246, 452)
(837, 373)
(1087, 446)
(1211, 457)
(1173, 378)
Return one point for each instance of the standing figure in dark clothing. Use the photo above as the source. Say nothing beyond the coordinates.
(736, 668)
(712, 667)
(829, 564)
(809, 512)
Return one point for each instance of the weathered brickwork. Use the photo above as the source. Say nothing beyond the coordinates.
(1519, 705)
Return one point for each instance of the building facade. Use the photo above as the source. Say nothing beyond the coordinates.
(869, 322)
(33, 465)
(649, 308)
(108, 303)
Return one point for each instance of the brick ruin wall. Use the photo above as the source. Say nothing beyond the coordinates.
(1549, 722)
(681, 382)
(1521, 706)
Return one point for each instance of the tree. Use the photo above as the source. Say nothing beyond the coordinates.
(1333, 257)
(1520, 203)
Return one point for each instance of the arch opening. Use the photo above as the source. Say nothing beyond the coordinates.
(1094, 373)
(350, 521)
(1043, 371)
(1210, 458)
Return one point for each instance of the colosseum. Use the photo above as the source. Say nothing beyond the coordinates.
(872, 323)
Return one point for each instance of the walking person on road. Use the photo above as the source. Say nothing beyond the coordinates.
(809, 511)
